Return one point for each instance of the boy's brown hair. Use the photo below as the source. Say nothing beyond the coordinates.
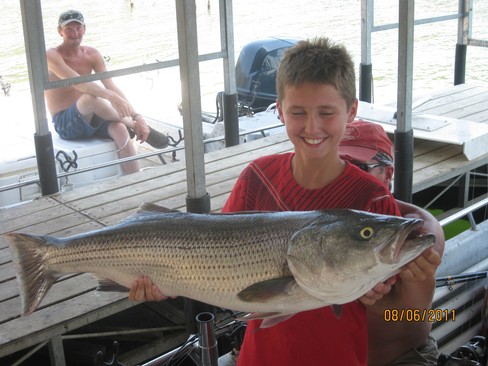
(318, 61)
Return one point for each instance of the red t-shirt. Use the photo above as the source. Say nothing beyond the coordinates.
(316, 337)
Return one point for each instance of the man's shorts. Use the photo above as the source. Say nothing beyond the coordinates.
(426, 354)
(70, 125)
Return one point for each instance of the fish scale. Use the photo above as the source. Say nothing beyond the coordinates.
(249, 262)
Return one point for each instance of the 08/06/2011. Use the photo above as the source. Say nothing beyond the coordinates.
(419, 315)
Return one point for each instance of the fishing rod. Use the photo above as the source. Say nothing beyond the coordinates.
(461, 278)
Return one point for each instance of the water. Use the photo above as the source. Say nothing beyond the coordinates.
(146, 32)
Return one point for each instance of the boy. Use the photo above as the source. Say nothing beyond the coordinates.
(316, 99)
(316, 90)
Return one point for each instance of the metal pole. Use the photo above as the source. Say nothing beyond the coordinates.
(198, 200)
(230, 112)
(404, 133)
(464, 33)
(366, 68)
(37, 69)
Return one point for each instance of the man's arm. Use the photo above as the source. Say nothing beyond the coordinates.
(58, 66)
(140, 125)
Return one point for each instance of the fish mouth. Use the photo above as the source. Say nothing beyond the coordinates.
(406, 240)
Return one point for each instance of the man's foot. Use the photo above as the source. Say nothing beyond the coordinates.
(157, 139)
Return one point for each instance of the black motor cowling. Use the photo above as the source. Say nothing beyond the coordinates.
(256, 71)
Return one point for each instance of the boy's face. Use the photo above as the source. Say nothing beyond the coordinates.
(315, 116)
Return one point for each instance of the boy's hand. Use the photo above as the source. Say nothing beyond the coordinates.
(422, 267)
(144, 290)
(377, 292)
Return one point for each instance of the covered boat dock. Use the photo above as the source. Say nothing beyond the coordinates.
(201, 183)
(74, 302)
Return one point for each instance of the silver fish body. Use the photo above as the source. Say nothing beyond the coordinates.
(249, 262)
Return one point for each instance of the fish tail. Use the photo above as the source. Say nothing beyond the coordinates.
(33, 275)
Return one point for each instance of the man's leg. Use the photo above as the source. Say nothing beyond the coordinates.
(118, 132)
(89, 105)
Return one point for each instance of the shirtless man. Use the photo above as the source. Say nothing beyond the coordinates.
(90, 109)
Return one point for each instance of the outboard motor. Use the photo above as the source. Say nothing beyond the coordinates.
(256, 69)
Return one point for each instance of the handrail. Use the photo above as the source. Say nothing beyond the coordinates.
(136, 157)
(126, 71)
(465, 211)
(383, 27)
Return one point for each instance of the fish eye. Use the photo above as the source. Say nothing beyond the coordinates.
(366, 232)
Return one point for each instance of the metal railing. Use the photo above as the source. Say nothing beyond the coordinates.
(136, 157)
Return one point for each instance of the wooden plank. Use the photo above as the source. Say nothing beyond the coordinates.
(61, 291)
(8, 289)
(56, 351)
(450, 96)
(159, 171)
(457, 108)
(423, 147)
(476, 111)
(480, 117)
(21, 210)
(438, 173)
(220, 193)
(4, 255)
(60, 319)
(455, 89)
(7, 272)
(165, 186)
(37, 217)
(435, 157)
(445, 96)
(174, 196)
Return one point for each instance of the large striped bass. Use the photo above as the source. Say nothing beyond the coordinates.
(267, 263)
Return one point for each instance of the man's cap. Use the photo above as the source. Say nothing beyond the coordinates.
(362, 141)
(71, 16)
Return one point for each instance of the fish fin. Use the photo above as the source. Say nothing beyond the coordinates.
(254, 316)
(105, 284)
(337, 310)
(269, 319)
(266, 290)
(145, 209)
(234, 213)
(33, 276)
(269, 322)
(154, 208)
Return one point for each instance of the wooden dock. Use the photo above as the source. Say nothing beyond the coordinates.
(74, 302)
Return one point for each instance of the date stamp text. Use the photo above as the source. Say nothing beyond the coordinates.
(419, 315)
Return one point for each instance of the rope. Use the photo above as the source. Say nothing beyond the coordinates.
(123, 147)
